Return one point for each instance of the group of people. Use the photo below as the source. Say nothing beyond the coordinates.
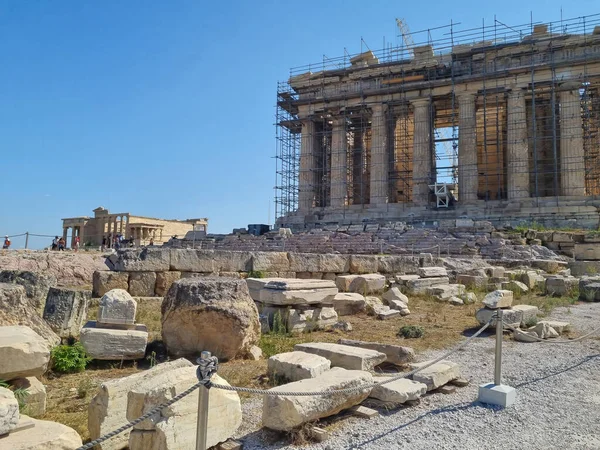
(58, 244)
(117, 241)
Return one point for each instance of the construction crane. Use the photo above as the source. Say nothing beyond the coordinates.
(445, 135)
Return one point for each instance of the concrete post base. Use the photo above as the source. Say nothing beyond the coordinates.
(501, 394)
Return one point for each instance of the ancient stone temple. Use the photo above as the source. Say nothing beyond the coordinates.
(501, 128)
(105, 224)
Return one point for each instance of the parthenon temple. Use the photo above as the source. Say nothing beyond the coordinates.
(497, 123)
(140, 230)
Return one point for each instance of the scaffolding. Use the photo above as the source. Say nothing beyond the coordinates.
(363, 148)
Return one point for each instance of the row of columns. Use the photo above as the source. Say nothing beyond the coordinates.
(112, 225)
(145, 233)
(572, 168)
(77, 231)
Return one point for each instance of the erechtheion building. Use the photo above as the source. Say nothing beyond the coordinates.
(104, 224)
(495, 123)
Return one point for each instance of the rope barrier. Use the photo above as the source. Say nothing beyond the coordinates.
(208, 367)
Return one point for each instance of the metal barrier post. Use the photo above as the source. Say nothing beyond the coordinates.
(498, 362)
(497, 393)
(202, 427)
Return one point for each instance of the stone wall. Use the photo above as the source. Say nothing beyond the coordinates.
(151, 271)
(69, 269)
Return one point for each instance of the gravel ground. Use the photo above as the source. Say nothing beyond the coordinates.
(558, 402)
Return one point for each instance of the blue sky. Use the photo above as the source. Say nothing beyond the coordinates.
(166, 109)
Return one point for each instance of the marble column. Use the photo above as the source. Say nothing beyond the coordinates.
(306, 185)
(517, 147)
(379, 157)
(65, 232)
(421, 151)
(339, 163)
(467, 149)
(572, 164)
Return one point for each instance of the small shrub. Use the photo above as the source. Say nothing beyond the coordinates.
(256, 274)
(69, 358)
(411, 331)
(531, 322)
(152, 359)
(279, 325)
(21, 395)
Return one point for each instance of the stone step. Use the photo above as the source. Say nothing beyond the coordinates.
(345, 356)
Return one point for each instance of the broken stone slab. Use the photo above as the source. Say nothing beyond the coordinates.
(420, 285)
(436, 375)
(17, 310)
(558, 326)
(395, 294)
(512, 317)
(285, 413)
(529, 313)
(471, 281)
(9, 411)
(117, 307)
(531, 278)
(456, 301)
(498, 299)
(299, 321)
(468, 298)
(36, 285)
(293, 284)
(446, 291)
(215, 314)
(395, 354)
(35, 400)
(367, 284)
(515, 286)
(403, 279)
(348, 303)
(345, 356)
(145, 259)
(41, 435)
(66, 310)
(298, 296)
(589, 289)
(399, 306)
(388, 314)
(399, 391)
(544, 331)
(107, 409)
(374, 305)
(104, 281)
(142, 284)
(525, 336)
(430, 272)
(114, 344)
(560, 286)
(295, 366)
(175, 426)
(23, 353)
(255, 285)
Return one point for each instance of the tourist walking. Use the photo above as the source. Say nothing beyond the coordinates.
(61, 244)
(55, 243)
(76, 243)
(6, 244)
(103, 243)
